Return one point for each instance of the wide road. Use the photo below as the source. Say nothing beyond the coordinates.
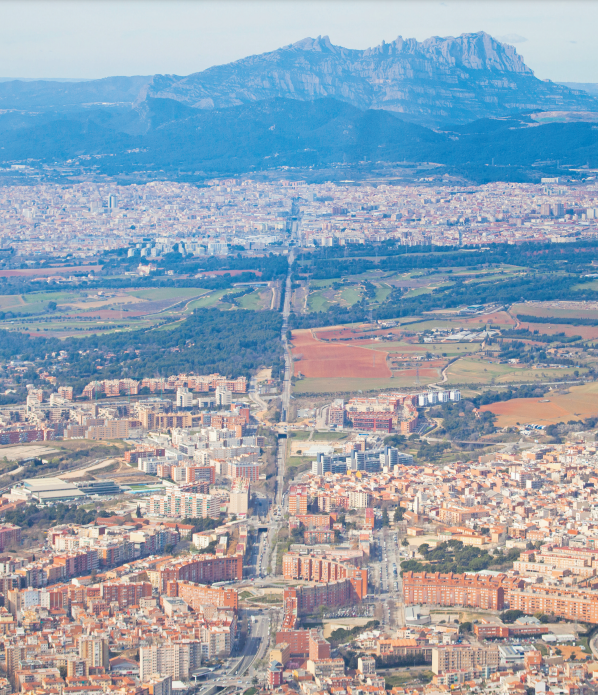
(240, 670)
(385, 576)
(255, 645)
(286, 385)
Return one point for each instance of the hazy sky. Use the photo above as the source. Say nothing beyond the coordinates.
(98, 38)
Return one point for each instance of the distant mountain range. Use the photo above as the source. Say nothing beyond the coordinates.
(439, 80)
(432, 82)
(307, 104)
(164, 137)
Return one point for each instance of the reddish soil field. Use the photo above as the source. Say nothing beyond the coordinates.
(39, 272)
(336, 360)
(499, 317)
(528, 410)
(586, 332)
(578, 403)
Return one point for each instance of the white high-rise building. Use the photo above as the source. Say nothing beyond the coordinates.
(184, 398)
(223, 396)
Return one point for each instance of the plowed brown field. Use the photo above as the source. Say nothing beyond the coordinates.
(586, 332)
(498, 317)
(330, 360)
(581, 402)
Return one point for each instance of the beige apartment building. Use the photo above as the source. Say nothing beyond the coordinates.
(463, 657)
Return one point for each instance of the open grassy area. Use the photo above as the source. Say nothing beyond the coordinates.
(350, 296)
(328, 436)
(474, 371)
(296, 465)
(554, 309)
(322, 283)
(353, 385)
(208, 301)
(399, 679)
(317, 302)
(416, 291)
(382, 292)
(294, 461)
(155, 293)
(250, 301)
(98, 311)
(300, 435)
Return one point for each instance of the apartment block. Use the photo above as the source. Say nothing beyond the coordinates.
(438, 589)
(197, 595)
(461, 657)
(177, 660)
(564, 602)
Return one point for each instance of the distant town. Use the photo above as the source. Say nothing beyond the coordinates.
(230, 215)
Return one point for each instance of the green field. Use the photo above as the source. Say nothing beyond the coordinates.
(437, 350)
(78, 311)
(208, 301)
(577, 310)
(353, 385)
(350, 296)
(382, 292)
(168, 293)
(416, 291)
(317, 302)
(322, 283)
(471, 371)
(250, 301)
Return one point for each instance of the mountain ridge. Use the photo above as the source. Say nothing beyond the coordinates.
(163, 138)
(438, 81)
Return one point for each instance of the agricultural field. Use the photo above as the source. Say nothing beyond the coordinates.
(83, 312)
(57, 271)
(314, 358)
(454, 336)
(575, 403)
(472, 370)
(416, 352)
(438, 348)
(352, 386)
(558, 309)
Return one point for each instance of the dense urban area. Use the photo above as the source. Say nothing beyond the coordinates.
(230, 215)
(325, 439)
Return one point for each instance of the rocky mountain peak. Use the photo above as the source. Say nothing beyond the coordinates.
(321, 44)
(455, 79)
